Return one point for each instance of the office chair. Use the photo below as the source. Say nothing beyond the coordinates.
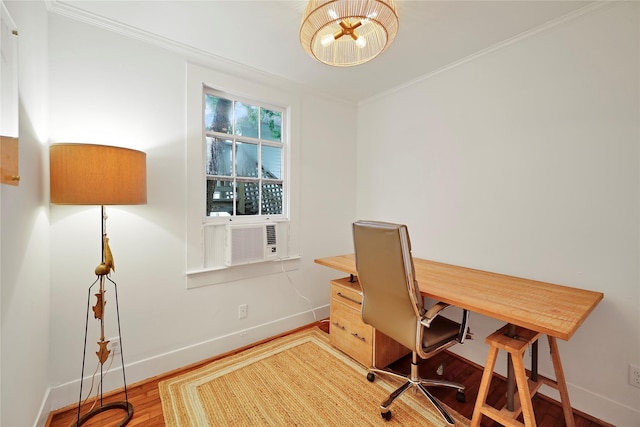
(393, 305)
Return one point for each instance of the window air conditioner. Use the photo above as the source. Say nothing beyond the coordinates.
(246, 244)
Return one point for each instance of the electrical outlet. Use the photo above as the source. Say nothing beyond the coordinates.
(634, 375)
(115, 346)
(242, 311)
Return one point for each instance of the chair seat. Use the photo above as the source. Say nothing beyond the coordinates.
(441, 331)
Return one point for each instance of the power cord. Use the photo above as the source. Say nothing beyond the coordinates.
(93, 377)
(286, 273)
(313, 311)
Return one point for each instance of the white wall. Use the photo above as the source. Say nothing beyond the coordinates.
(108, 88)
(24, 224)
(524, 161)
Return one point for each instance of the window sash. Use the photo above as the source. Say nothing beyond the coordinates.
(250, 192)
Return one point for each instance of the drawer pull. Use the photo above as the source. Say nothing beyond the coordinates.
(349, 299)
(355, 334)
(338, 325)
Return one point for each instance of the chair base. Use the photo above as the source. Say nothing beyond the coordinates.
(412, 381)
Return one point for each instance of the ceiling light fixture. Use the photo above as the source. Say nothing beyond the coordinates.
(343, 33)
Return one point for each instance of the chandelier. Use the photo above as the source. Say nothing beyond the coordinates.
(343, 33)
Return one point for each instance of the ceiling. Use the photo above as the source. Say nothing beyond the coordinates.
(263, 35)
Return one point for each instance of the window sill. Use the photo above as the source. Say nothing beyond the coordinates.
(223, 274)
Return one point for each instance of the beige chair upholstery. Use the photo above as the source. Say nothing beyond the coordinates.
(393, 305)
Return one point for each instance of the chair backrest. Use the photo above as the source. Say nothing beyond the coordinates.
(391, 299)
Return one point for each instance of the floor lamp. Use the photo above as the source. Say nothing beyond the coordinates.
(87, 174)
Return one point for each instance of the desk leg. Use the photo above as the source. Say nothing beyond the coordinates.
(561, 383)
(485, 382)
(511, 384)
(511, 379)
(523, 392)
(534, 361)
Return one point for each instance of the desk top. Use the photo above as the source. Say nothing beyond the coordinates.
(554, 310)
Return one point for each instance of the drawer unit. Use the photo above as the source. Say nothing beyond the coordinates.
(351, 335)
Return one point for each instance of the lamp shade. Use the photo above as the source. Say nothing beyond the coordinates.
(88, 174)
(344, 33)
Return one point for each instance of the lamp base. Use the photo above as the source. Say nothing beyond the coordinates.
(125, 406)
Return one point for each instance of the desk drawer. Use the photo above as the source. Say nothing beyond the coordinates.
(349, 334)
(347, 293)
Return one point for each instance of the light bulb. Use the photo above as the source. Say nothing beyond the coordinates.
(327, 40)
(361, 42)
(332, 13)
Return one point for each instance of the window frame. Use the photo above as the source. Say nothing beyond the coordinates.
(283, 144)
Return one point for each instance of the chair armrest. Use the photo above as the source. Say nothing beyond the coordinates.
(433, 312)
(436, 309)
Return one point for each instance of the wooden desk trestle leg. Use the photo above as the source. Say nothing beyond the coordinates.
(560, 383)
(515, 340)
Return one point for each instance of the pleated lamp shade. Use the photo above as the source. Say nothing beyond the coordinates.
(88, 174)
(344, 33)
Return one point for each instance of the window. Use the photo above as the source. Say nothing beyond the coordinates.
(244, 152)
(243, 171)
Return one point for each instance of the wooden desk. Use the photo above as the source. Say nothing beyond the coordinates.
(554, 310)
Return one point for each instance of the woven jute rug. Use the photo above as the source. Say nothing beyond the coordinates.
(295, 380)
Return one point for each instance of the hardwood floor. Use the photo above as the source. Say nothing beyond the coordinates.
(148, 409)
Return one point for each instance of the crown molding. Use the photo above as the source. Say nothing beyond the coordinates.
(596, 5)
(67, 10)
(191, 53)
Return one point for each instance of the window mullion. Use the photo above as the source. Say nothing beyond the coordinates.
(259, 169)
(234, 176)
(234, 148)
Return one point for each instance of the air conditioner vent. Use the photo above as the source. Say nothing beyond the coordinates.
(271, 234)
(247, 244)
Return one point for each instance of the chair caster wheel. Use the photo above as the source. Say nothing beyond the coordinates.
(460, 396)
(370, 377)
(386, 415)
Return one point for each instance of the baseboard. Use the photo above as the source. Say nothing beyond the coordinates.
(63, 395)
(43, 414)
(596, 406)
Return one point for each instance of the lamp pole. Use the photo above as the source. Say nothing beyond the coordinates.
(102, 272)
